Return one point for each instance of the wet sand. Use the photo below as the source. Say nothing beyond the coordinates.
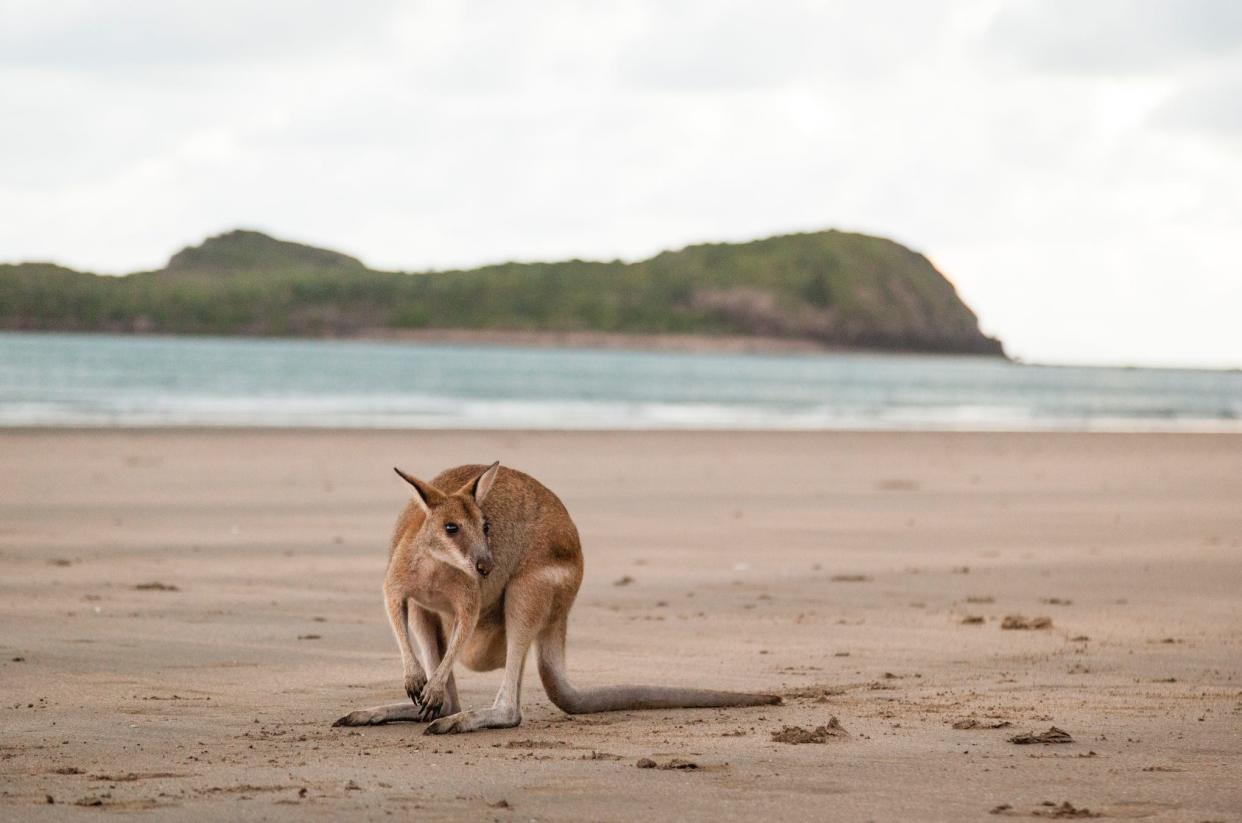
(863, 576)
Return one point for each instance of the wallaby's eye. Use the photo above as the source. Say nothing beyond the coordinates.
(487, 527)
(451, 528)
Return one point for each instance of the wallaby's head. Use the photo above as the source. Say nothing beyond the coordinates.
(455, 528)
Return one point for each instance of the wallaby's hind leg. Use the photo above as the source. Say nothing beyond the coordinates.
(374, 716)
(526, 612)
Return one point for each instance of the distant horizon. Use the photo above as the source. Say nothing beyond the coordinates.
(1207, 363)
(821, 289)
(363, 258)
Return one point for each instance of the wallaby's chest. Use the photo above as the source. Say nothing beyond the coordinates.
(439, 586)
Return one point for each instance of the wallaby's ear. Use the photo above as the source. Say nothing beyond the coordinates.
(481, 485)
(426, 494)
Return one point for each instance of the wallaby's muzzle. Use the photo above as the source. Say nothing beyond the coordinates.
(484, 566)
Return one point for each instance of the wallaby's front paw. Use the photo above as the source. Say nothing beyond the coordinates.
(414, 684)
(361, 717)
(431, 699)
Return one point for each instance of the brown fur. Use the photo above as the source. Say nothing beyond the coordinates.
(435, 589)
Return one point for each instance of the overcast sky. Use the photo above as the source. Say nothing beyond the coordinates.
(1073, 166)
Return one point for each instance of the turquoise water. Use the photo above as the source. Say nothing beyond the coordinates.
(104, 380)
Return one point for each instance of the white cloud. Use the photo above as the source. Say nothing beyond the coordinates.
(1117, 36)
(1211, 108)
(119, 36)
(1083, 206)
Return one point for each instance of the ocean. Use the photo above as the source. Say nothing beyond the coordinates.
(105, 380)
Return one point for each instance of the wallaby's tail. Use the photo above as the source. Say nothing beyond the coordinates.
(616, 698)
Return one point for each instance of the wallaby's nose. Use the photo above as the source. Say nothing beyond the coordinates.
(484, 565)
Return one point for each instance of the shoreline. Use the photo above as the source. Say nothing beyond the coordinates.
(329, 429)
(587, 340)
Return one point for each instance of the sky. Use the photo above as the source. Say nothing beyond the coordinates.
(1073, 166)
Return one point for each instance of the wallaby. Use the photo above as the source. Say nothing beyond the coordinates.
(479, 573)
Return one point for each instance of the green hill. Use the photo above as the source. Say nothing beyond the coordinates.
(832, 288)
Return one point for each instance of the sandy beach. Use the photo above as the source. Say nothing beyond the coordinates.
(184, 613)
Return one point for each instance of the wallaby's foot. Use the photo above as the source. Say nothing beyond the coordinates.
(393, 713)
(381, 714)
(473, 721)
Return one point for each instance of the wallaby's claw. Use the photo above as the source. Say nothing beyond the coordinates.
(414, 685)
(445, 725)
(431, 699)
